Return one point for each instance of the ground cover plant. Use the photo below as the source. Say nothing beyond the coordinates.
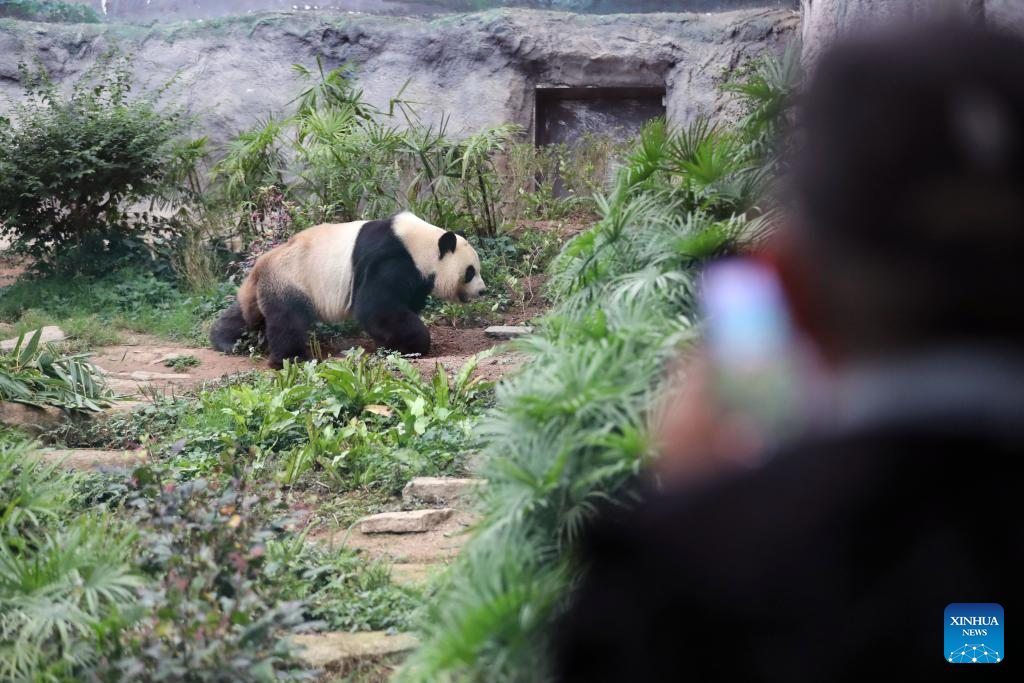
(573, 429)
(356, 422)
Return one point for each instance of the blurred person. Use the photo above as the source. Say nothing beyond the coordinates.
(833, 556)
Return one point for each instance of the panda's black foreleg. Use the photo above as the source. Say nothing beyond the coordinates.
(288, 315)
(399, 330)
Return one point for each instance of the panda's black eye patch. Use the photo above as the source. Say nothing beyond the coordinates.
(470, 274)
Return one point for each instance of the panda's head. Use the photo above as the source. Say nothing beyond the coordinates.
(445, 256)
(458, 275)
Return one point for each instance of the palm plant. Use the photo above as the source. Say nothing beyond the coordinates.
(64, 577)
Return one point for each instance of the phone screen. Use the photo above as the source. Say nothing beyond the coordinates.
(750, 345)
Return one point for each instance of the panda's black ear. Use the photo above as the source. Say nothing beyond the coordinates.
(447, 243)
(461, 234)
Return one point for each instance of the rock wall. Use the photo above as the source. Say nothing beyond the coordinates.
(824, 20)
(163, 10)
(480, 69)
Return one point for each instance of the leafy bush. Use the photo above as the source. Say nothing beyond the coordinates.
(572, 429)
(72, 166)
(49, 10)
(38, 376)
(205, 614)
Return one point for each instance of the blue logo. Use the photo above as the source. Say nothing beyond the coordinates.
(974, 633)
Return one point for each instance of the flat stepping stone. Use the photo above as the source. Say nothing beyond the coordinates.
(413, 573)
(146, 376)
(124, 407)
(507, 331)
(439, 490)
(86, 459)
(339, 653)
(51, 333)
(411, 522)
(30, 418)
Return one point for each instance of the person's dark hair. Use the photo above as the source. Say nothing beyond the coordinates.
(909, 187)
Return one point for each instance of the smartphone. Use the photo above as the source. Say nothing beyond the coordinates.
(751, 345)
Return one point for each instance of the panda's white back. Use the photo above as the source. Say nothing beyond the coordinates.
(325, 267)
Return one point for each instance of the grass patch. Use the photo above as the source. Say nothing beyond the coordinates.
(93, 311)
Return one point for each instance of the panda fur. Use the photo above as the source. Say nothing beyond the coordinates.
(378, 272)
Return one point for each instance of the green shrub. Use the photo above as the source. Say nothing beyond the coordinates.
(205, 613)
(49, 10)
(72, 166)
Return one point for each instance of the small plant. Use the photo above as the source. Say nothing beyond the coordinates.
(182, 362)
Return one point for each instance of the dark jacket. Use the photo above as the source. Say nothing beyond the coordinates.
(833, 562)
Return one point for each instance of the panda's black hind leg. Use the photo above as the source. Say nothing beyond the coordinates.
(401, 331)
(288, 315)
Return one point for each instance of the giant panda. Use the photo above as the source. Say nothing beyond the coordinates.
(378, 272)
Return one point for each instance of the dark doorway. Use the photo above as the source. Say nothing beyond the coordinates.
(564, 115)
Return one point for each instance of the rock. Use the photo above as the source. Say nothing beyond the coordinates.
(94, 459)
(439, 490)
(507, 331)
(31, 419)
(339, 652)
(412, 522)
(51, 333)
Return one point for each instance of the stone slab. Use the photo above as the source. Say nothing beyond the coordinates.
(411, 522)
(94, 459)
(338, 652)
(507, 331)
(439, 490)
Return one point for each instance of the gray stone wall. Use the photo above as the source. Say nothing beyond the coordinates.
(479, 69)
